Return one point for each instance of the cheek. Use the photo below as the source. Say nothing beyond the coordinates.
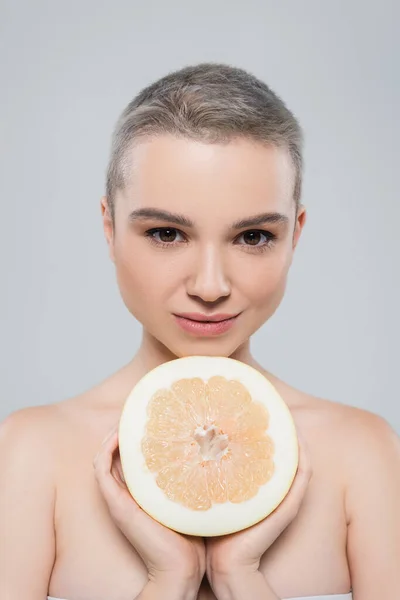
(266, 282)
(143, 279)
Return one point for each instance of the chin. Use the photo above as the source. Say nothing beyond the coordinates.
(205, 347)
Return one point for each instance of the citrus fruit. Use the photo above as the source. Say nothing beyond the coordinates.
(207, 445)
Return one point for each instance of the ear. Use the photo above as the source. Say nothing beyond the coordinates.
(108, 226)
(300, 222)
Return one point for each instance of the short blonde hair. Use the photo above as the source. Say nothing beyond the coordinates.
(209, 102)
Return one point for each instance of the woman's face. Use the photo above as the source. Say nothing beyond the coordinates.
(207, 229)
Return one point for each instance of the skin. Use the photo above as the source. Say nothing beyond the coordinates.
(344, 531)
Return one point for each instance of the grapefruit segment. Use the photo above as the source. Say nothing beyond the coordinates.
(160, 453)
(185, 485)
(192, 394)
(216, 481)
(169, 417)
(207, 445)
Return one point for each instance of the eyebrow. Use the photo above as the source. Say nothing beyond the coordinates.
(146, 214)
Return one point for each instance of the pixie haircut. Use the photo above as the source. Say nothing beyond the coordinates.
(208, 102)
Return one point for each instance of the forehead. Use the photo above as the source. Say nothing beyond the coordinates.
(237, 177)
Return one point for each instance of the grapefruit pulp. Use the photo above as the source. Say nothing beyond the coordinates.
(207, 445)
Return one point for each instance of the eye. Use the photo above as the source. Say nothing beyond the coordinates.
(164, 235)
(257, 238)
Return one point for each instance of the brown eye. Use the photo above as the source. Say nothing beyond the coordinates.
(167, 235)
(252, 238)
(257, 239)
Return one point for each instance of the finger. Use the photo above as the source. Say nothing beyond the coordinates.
(151, 540)
(110, 433)
(106, 439)
(262, 535)
(304, 467)
(117, 471)
(288, 508)
(291, 503)
(103, 460)
(303, 472)
(103, 471)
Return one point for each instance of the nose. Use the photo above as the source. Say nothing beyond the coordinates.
(208, 281)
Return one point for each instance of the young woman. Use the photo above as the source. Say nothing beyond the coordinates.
(202, 216)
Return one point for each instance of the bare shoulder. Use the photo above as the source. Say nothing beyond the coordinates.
(369, 448)
(29, 470)
(29, 438)
(343, 433)
(355, 427)
(51, 432)
(34, 424)
(364, 426)
(39, 429)
(333, 418)
(359, 446)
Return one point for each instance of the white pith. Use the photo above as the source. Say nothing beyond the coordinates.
(221, 518)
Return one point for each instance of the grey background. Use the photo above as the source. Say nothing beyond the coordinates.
(69, 68)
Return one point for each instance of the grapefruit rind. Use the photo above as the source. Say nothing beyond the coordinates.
(224, 518)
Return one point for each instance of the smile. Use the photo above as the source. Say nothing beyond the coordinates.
(205, 325)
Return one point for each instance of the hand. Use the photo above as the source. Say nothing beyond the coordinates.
(242, 551)
(167, 554)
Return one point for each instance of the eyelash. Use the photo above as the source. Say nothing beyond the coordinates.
(267, 245)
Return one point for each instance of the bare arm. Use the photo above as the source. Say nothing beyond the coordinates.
(27, 496)
(372, 505)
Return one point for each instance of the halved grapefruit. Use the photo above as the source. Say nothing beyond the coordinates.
(208, 447)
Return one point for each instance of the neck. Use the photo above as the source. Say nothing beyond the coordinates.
(152, 353)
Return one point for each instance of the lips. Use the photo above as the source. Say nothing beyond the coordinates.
(202, 318)
(205, 325)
